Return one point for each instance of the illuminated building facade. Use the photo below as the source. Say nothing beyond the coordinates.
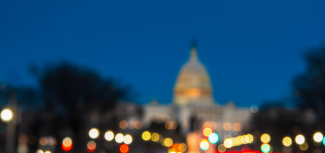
(193, 105)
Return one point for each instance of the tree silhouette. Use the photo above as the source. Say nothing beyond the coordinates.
(310, 85)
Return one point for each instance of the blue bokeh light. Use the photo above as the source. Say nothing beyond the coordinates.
(213, 138)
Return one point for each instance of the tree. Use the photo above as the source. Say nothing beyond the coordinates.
(71, 94)
(310, 85)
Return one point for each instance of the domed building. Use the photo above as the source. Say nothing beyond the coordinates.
(193, 105)
(193, 86)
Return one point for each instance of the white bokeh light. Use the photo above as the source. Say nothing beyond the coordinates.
(93, 133)
(300, 139)
(6, 115)
(119, 138)
(318, 137)
(109, 135)
(128, 139)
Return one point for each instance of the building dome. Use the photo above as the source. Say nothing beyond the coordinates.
(193, 85)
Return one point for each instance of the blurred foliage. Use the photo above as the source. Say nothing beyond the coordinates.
(310, 85)
(75, 89)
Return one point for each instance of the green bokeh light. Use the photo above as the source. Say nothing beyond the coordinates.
(265, 147)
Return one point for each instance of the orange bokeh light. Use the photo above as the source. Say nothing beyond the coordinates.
(67, 144)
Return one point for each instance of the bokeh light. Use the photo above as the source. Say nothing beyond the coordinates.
(172, 150)
(123, 124)
(286, 141)
(324, 141)
(237, 127)
(91, 146)
(146, 135)
(238, 140)
(213, 138)
(167, 142)
(128, 139)
(171, 125)
(212, 124)
(254, 108)
(39, 151)
(303, 146)
(6, 115)
(204, 144)
(47, 151)
(131, 124)
(249, 138)
(93, 133)
(119, 138)
(67, 144)
(242, 139)
(265, 147)
(221, 148)
(265, 138)
(155, 137)
(227, 126)
(300, 139)
(124, 148)
(51, 141)
(207, 131)
(43, 141)
(227, 143)
(138, 124)
(318, 137)
(109, 135)
(182, 147)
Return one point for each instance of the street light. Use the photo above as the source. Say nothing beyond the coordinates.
(6, 115)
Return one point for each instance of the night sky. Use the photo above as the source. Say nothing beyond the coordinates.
(252, 49)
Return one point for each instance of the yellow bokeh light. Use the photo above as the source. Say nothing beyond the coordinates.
(128, 139)
(146, 135)
(265, 138)
(303, 146)
(227, 126)
(286, 141)
(6, 115)
(234, 142)
(119, 138)
(123, 124)
(155, 137)
(47, 151)
(300, 139)
(207, 131)
(221, 148)
(172, 150)
(109, 135)
(238, 141)
(182, 147)
(318, 137)
(227, 143)
(167, 142)
(249, 138)
(242, 139)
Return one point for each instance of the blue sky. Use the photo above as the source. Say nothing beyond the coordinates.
(252, 49)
